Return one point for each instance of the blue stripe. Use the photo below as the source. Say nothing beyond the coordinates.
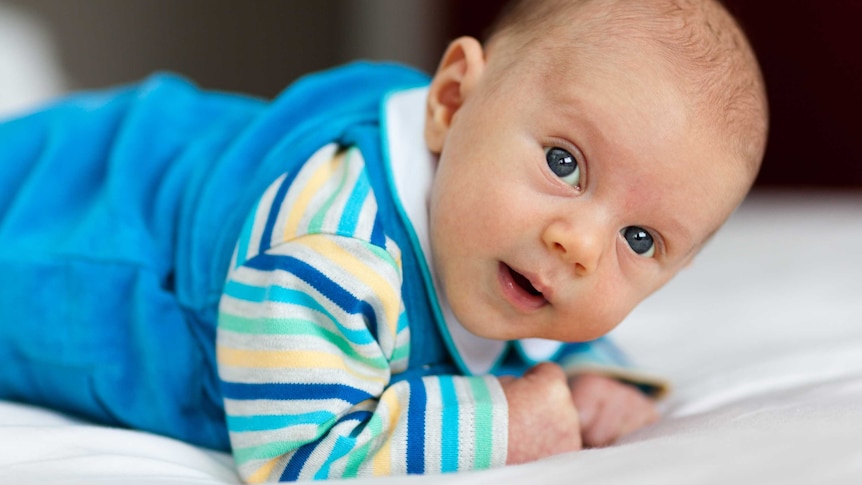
(416, 428)
(269, 421)
(285, 391)
(319, 281)
(344, 445)
(350, 216)
(245, 236)
(449, 432)
(297, 461)
(275, 208)
(362, 416)
(378, 237)
(297, 297)
(280, 294)
(242, 291)
(402, 322)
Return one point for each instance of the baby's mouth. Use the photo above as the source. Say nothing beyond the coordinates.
(523, 282)
(520, 290)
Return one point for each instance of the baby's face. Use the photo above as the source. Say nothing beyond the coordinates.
(565, 195)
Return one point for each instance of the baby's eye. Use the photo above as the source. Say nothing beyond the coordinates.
(640, 240)
(564, 165)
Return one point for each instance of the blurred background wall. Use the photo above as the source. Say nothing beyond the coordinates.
(254, 46)
(809, 49)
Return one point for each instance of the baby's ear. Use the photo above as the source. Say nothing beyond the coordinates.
(457, 75)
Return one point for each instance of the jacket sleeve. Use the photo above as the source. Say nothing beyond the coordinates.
(312, 338)
(602, 356)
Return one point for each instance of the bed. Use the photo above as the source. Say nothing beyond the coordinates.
(761, 337)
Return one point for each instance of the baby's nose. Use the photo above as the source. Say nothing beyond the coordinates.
(579, 245)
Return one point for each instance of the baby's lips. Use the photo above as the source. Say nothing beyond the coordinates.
(515, 292)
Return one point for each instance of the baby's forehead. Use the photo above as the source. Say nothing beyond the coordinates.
(697, 45)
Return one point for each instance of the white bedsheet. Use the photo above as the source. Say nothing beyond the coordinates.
(762, 337)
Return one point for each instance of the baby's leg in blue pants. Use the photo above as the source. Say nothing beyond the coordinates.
(106, 341)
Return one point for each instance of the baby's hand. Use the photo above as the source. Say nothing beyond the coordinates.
(543, 420)
(609, 409)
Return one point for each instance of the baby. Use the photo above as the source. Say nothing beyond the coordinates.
(393, 264)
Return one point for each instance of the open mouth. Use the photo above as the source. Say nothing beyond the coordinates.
(523, 282)
(519, 290)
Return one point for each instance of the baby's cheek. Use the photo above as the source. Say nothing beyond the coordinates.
(600, 311)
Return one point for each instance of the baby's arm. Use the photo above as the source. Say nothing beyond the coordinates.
(311, 337)
(543, 420)
(313, 344)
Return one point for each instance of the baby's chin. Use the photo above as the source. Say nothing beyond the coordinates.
(505, 332)
(499, 324)
(480, 328)
(559, 332)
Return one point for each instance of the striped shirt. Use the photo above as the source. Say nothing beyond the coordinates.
(312, 329)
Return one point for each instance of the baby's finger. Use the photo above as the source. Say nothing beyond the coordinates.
(606, 424)
(587, 411)
(620, 416)
(642, 412)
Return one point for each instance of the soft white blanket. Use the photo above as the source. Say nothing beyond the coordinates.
(762, 337)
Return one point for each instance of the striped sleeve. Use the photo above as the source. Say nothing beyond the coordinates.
(312, 335)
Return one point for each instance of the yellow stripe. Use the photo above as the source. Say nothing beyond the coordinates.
(288, 359)
(299, 207)
(263, 472)
(389, 296)
(382, 462)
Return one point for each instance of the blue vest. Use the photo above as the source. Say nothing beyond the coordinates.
(119, 212)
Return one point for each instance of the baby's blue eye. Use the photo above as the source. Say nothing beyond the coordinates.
(639, 240)
(564, 165)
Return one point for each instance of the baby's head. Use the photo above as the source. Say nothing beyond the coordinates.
(586, 153)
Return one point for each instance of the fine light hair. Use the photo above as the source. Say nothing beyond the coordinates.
(699, 41)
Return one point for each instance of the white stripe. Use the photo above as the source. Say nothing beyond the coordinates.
(367, 215)
(500, 436)
(321, 156)
(433, 426)
(302, 432)
(466, 424)
(358, 288)
(264, 208)
(262, 279)
(352, 169)
(256, 407)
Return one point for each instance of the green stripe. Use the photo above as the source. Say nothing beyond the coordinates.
(277, 448)
(484, 424)
(401, 352)
(317, 221)
(295, 327)
(384, 255)
(358, 456)
(266, 451)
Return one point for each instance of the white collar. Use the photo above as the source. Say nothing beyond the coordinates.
(412, 171)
